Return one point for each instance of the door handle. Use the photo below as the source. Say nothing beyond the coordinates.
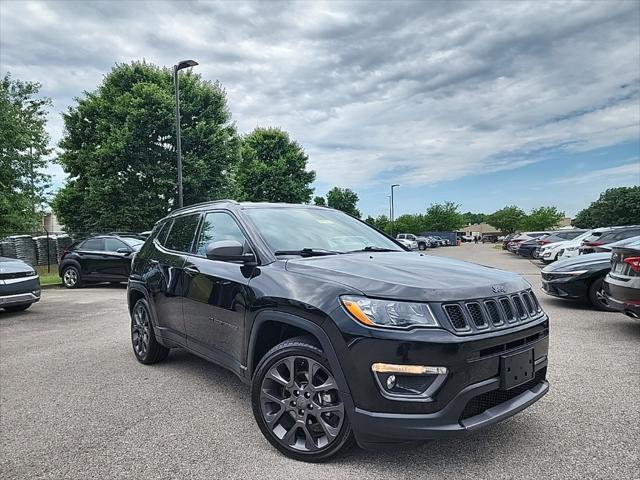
(153, 262)
(191, 271)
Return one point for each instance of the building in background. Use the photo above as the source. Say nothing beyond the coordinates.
(50, 223)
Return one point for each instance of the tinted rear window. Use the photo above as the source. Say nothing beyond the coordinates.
(182, 233)
(93, 244)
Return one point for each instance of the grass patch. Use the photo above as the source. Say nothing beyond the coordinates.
(51, 278)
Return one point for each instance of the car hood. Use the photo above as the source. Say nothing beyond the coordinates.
(409, 276)
(575, 263)
(11, 265)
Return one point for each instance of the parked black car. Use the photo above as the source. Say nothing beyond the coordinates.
(622, 284)
(340, 330)
(19, 285)
(600, 239)
(581, 277)
(98, 258)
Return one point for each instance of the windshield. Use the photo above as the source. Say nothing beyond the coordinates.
(293, 229)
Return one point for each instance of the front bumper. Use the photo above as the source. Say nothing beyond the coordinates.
(374, 430)
(19, 291)
(566, 287)
(470, 396)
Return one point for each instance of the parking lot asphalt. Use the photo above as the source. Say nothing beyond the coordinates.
(76, 404)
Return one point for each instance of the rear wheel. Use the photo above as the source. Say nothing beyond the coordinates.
(596, 296)
(71, 277)
(297, 404)
(145, 346)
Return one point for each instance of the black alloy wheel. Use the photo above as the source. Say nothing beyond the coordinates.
(297, 403)
(145, 346)
(597, 296)
(422, 246)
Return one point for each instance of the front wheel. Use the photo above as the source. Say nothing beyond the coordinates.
(297, 404)
(422, 246)
(597, 297)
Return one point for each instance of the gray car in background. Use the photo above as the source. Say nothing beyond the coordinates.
(19, 285)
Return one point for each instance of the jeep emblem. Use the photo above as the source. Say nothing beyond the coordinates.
(499, 289)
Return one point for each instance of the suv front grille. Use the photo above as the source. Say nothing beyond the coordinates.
(479, 315)
(456, 317)
(517, 301)
(476, 314)
(483, 402)
(494, 314)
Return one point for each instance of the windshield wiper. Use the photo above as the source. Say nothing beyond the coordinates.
(307, 252)
(374, 249)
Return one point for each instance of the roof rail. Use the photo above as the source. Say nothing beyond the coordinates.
(222, 200)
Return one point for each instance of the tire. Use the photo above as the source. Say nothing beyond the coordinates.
(288, 407)
(596, 296)
(422, 246)
(17, 308)
(71, 277)
(143, 340)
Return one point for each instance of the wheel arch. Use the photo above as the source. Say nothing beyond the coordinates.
(266, 323)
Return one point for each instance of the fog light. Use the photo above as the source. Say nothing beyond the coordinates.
(408, 369)
(391, 382)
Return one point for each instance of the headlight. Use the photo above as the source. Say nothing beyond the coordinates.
(389, 313)
(32, 273)
(571, 249)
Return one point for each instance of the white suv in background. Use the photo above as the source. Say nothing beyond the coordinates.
(552, 252)
(571, 248)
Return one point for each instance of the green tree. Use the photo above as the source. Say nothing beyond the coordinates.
(471, 218)
(320, 201)
(409, 223)
(343, 199)
(118, 149)
(615, 206)
(381, 222)
(541, 218)
(443, 217)
(273, 168)
(506, 220)
(24, 145)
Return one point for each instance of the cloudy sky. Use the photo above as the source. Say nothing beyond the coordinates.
(482, 103)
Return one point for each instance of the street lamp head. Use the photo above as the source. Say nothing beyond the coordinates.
(185, 64)
(395, 185)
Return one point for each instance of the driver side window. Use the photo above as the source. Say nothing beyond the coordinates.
(218, 226)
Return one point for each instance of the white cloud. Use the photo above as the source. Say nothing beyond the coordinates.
(415, 92)
(629, 172)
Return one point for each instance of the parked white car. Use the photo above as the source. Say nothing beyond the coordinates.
(412, 244)
(571, 248)
(551, 253)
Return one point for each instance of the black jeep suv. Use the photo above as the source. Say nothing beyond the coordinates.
(342, 332)
(98, 258)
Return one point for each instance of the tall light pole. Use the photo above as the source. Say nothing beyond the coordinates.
(392, 210)
(176, 85)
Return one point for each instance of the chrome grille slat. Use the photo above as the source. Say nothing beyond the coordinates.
(507, 309)
(529, 303)
(494, 313)
(517, 301)
(456, 316)
(475, 310)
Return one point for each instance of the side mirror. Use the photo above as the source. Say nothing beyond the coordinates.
(228, 251)
(124, 250)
